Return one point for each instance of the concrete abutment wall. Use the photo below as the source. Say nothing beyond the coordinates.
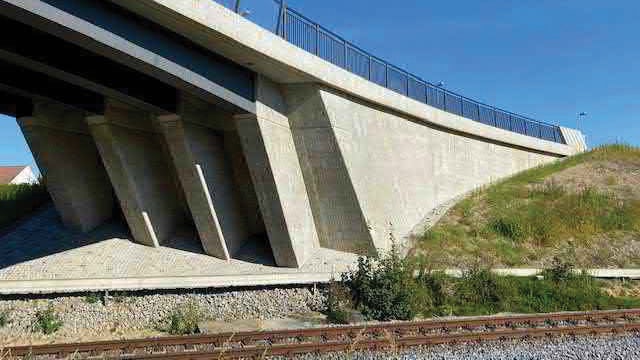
(373, 174)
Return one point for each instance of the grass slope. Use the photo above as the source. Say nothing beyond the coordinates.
(584, 209)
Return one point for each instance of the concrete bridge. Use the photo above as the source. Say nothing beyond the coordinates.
(180, 113)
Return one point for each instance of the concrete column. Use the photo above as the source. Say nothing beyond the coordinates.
(139, 171)
(275, 170)
(207, 179)
(69, 161)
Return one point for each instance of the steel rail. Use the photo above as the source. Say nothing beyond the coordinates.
(398, 329)
(391, 344)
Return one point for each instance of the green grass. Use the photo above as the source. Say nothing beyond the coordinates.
(17, 201)
(515, 222)
(386, 288)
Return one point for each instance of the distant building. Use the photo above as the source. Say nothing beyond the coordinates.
(17, 175)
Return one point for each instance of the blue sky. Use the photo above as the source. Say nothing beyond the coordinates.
(542, 58)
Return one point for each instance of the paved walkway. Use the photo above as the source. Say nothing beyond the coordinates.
(41, 250)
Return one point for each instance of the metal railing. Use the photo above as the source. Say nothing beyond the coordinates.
(314, 38)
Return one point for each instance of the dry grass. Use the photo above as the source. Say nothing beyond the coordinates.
(585, 209)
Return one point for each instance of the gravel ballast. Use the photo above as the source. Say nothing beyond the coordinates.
(581, 348)
(123, 313)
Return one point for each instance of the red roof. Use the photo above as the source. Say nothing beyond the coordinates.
(8, 173)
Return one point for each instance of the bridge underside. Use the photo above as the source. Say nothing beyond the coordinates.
(200, 144)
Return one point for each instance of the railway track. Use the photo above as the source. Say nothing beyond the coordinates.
(385, 336)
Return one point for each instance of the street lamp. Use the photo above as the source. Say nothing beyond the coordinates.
(580, 116)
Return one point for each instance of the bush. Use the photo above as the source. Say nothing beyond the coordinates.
(339, 303)
(184, 320)
(92, 298)
(47, 321)
(384, 288)
(17, 201)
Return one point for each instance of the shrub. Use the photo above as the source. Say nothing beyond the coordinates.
(92, 298)
(184, 320)
(17, 201)
(384, 288)
(480, 291)
(339, 303)
(47, 321)
(432, 297)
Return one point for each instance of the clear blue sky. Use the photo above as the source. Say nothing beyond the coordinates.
(548, 59)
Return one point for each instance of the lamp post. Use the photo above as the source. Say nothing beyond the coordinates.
(238, 6)
(580, 116)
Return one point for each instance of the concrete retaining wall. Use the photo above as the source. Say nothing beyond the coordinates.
(374, 174)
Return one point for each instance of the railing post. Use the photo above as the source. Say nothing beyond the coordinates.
(317, 39)
(406, 87)
(285, 16)
(345, 54)
(386, 75)
(370, 67)
(495, 117)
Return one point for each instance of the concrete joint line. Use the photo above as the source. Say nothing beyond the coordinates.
(205, 188)
(150, 230)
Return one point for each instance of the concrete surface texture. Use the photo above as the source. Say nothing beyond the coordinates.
(140, 173)
(42, 255)
(275, 170)
(207, 179)
(374, 174)
(70, 164)
(294, 146)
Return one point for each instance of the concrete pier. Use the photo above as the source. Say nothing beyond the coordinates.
(141, 174)
(275, 170)
(69, 162)
(198, 153)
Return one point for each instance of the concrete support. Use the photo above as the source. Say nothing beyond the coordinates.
(141, 174)
(373, 175)
(207, 179)
(275, 170)
(69, 161)
(337, 210)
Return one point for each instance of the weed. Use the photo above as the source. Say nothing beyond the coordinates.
(92, 298)
(184, 320)
(339, 303)
(4, 319)
(47, 321)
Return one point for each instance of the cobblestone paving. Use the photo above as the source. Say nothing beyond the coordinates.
(42, 248)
